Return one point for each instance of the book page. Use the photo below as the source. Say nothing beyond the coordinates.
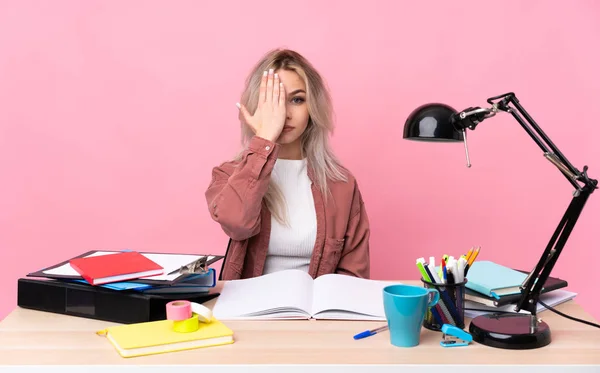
(346, 297)
(283, 294)
(67, 270)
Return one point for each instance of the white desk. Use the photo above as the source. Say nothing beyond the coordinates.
(29, 338)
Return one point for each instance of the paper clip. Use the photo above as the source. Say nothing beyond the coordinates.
(197, 266)
(454, 336)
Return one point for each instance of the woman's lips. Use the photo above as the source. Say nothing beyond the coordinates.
(287, 128)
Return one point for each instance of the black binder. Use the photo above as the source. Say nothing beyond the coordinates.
(94, 302)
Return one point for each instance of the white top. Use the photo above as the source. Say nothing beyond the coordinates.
(291, 247)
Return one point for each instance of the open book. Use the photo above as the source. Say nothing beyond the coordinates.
(293, 294)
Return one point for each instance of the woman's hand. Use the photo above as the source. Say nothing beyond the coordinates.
(269, 117)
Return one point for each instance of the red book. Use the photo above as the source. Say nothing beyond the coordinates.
(124, 266)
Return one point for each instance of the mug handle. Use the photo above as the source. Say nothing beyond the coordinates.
(436, 297)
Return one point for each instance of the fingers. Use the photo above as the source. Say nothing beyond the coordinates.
(276, 85)
(269, 97)
(282, 95)
(263, 89)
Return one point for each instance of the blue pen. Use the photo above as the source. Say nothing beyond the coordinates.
(369, 333)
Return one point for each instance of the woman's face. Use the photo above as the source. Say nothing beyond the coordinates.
(296, 107)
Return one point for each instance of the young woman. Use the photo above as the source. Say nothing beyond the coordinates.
(285, 201)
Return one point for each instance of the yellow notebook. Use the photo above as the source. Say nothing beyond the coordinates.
(157, 337)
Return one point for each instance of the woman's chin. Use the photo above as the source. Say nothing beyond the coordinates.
(287, 138)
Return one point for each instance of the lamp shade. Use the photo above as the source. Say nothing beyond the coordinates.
(432, 122)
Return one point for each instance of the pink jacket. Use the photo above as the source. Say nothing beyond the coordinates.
(235, 201)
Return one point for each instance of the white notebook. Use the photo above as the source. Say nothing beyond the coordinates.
(293, 294)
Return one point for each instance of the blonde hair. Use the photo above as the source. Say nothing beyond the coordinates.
(315, 139)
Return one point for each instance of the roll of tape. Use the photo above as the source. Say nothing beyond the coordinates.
(204, 313)
(188, 325)
(179, 310)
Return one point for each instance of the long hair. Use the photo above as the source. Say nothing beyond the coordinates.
(315, 139)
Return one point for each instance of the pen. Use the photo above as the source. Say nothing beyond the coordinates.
(368, 333)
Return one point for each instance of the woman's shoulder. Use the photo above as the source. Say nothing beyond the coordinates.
(348, 185)
(348, 179)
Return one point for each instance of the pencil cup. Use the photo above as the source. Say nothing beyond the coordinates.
(450, 308)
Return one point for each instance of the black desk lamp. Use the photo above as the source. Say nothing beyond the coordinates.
(439, 122)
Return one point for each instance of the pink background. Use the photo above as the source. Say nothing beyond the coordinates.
(112, 115)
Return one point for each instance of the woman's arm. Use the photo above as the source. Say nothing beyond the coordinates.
(236, 191)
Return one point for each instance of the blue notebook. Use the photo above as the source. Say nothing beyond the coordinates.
(494, 280)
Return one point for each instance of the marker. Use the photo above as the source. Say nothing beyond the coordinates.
(420, 263)
(456, 272)
(462, 262)
(444, 272)
(434, 309)
(436, 278)
(445, 302)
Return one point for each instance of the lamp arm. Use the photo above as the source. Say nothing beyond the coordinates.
(551, 151)
(532, 286)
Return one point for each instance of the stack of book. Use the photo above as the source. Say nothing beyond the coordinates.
(493, 287)
(151, 273)
(121, 286)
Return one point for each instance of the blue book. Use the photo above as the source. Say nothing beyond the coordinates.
(193, 283)
(124, 285)
(494, 280)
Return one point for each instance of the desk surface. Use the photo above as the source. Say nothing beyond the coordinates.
(31, 337)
